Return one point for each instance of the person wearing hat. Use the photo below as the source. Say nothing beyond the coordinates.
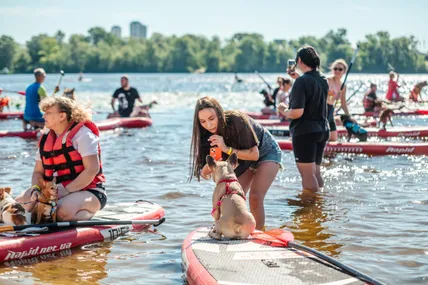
(308, 113)
(33, 95)
(126, 95)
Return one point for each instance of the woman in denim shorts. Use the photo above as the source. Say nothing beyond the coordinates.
(259, 155)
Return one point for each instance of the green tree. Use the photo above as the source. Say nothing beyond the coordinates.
(8, 49)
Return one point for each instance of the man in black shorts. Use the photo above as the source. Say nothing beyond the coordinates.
(126, 95)
(308, 112)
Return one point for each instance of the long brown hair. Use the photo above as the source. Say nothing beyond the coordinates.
(230, 126)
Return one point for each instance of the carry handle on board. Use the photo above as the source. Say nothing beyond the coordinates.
(287, 239)
(89, 223)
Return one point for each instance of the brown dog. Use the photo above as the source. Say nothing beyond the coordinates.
(45, 209)
(11, 212)
(386, 117)
(232, 218)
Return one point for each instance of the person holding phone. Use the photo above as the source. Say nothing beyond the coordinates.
(308, 113)
(259, 155)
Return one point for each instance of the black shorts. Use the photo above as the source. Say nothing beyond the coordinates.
(331, 121)
(100, 196)
(309, 148)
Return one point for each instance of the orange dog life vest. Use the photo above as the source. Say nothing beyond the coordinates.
(59, 155)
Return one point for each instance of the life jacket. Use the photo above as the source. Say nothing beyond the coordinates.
(367, 103)
(356, 129)
(4, 101)
(59, 155)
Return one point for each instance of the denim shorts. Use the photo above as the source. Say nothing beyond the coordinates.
(269, 150)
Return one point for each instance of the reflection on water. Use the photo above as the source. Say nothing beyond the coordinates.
(371, 213)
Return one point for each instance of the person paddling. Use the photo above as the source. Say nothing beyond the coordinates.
(392, 93)
(33, 95)
(371, 102)
(69, 151)
(126, 95)
(259, 155)
(308, 114)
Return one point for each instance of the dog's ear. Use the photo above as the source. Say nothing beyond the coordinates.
(211, 161)
(233, 160)
(42, 182)
(7, 190)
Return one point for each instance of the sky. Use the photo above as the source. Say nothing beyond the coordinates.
(274, 19)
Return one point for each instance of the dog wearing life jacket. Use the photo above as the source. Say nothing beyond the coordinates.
(44, 210)
(232, 218)
(11, 212)
(386, 117)
(137, 111)
(353, 129)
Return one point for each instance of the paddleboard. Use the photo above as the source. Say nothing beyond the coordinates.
(11, 115)
(254, 261)
(13, 248)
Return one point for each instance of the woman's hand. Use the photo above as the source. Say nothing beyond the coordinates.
(292, 72)
(218, 141)
(282, 107)
(61, 191)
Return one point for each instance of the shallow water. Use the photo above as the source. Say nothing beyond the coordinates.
(371, 214)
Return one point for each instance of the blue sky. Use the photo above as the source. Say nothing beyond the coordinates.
(275, 19)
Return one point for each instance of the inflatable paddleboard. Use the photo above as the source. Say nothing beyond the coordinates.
(370, 148)
(12, 248)
(257, 260)
(11, 115)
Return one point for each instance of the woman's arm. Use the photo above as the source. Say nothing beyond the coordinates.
(206, 172)
(92, 167)
(293, 113)
(248, 154)
(37, 173)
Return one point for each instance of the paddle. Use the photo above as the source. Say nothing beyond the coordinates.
(10, 91)
(347, 72)
(261, 77)
(288, 240)
(60, 79)
(353, 94)
(89, 223)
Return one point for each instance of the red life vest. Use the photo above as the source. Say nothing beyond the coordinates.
(367, 103)
(4, 101)
(59, 155)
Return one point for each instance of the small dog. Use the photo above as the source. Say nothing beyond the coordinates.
(44, 210)
(353, 129)
(12, 213)
(137, 111)
(232, 218)
(69, 93)
(386, 117)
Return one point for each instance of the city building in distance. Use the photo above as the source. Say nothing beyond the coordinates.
(117, 31)
(138, 30)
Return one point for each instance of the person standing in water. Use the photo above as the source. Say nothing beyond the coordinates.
(308, 114)
(338, 68)
(33, 95)
(126, 95)
(259, 155)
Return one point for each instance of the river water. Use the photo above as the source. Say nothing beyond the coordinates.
(372, 213)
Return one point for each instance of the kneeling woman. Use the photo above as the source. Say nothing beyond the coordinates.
(69, 151)
(259, 155)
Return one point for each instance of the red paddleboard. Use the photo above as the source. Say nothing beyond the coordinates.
(14, 248)
(375, 148)
(11, 115)
(277, 122)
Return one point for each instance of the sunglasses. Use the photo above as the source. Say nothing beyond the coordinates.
(338, 69)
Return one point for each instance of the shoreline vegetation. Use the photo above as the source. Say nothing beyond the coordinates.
(101, 52)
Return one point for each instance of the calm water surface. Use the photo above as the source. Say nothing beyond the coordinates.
(372, 214)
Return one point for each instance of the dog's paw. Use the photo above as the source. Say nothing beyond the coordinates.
(214, 235)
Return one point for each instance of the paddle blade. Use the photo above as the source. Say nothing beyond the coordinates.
(6, 228)
(21, 92)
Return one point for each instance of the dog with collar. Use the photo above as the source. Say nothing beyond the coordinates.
(232, 218)
(12, 213)
(44, 210)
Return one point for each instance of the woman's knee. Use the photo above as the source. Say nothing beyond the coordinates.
(256, 200)
(64, 214)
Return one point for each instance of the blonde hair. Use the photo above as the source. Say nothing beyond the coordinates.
(339, 61)
(74, 111)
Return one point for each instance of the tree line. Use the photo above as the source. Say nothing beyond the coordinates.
(100, 51)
